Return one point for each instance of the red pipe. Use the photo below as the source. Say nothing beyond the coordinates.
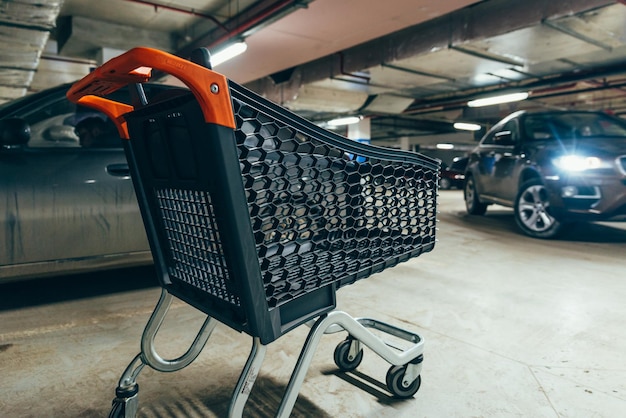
(553, 89)
(264, 14)
(180, 10)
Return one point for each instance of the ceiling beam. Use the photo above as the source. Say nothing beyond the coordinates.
(479, 21)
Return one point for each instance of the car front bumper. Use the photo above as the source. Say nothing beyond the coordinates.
(588, 197)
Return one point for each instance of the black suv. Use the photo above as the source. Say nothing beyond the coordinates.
(552, 168)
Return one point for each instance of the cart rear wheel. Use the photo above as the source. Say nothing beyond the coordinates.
(342, 356)
(395, 384)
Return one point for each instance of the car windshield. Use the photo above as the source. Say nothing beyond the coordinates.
(572, 125)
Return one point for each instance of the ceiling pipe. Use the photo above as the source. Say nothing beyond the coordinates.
(69, 60)
(192, 12)
(461, 103)
(454, 102)
(617, 84)
(254, 22)
(553, 89)
(603, 86)
(237, 30)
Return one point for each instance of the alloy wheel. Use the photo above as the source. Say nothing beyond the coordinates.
(533, 208)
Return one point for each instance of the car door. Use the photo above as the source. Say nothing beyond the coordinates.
(498, 159)
(63, 202)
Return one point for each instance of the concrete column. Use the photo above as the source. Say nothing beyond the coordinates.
(405, 144)
(360, 131)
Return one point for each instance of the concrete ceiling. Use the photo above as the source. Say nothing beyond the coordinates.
(409, 65)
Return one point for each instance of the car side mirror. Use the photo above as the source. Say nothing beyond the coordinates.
(504, 138)
(14, 131)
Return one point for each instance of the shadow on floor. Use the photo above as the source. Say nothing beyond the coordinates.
(503, 221)
(65, 288)
(595, 232)
(212, 401)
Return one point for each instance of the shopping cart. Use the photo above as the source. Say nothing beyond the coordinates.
(256, 217)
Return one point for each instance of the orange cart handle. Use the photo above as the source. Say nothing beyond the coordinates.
(135, 66)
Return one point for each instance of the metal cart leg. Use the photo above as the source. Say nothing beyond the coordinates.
(150, 356)
(339, 321)
(247, 378)
(126, 402)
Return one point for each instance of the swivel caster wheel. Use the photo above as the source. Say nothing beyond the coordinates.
(343, 359)
(397, 386)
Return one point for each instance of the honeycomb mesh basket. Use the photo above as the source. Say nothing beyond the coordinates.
(260, 225)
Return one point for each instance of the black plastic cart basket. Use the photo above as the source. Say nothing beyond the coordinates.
(257, 217)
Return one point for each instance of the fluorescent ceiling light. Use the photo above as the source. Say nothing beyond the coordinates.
(506, 98)
(445, 146)
(466, 126)
(349, 120)
(231, 51)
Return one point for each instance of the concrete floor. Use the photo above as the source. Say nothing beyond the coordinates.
(514, 327)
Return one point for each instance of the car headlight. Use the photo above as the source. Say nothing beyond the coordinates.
(580, 163)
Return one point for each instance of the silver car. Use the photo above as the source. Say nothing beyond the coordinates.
(66, 198)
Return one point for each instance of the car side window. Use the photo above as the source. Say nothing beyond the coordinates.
(537, 128)
(49, 126)
(58, 123)
(508, 135)
(62, 124)
(489, 139)
(504, 135)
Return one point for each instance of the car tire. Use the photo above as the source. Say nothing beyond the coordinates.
(473, 205)
(445, 184)
(532, 211)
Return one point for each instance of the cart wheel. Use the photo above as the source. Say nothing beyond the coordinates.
(342, 356)
(124, 408)
(126, 403)
(395, 377)
(118, 410)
